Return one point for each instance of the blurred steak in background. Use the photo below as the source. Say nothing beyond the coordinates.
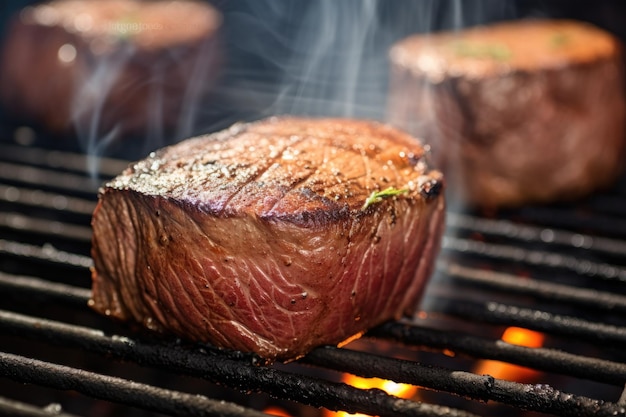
(525, 111)
(110, 68)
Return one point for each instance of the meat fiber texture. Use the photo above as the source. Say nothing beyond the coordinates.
(529, 111)
(269, 237)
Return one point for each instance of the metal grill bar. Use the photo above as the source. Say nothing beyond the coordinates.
(240, 374)
(609, 226)
(528, 233)
(12, 408)
(535, 257)
(582, 297)
(48, 178)
(44, 253)
(60, 159)
(543, 359)
(53, 201)
(48, 227)
(497, 313)
(53, 291)
(542, 398)
(115, 389)
(360, 363)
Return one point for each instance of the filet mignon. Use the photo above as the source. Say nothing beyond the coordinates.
(104, 65)
(272, 237)
(528, 111)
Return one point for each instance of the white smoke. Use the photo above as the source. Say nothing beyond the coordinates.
(331, 57)
(316, 58)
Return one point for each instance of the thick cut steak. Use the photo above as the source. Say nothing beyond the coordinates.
(267, 237)
(126, 66)
(528, 111)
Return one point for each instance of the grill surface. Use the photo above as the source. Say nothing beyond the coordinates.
(560, 270)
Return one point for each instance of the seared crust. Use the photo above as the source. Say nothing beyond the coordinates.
(302, 170)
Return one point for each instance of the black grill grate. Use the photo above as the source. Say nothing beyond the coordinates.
(560, 270)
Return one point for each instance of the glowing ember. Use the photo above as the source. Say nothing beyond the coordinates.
(393, 388)
(507, 371)
(276, 411)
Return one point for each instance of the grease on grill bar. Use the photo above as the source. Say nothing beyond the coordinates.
(20, 409)
(494, 273)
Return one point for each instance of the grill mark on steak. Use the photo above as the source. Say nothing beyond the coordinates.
(366, 167)
(271, 161)
(299, 184)
(318, 186)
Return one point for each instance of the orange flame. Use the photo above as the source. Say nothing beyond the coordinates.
(390, 387)
(502, 370)
(276, 411)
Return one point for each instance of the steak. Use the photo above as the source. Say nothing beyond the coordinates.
(271, 237)
(128, 65)
(529, 111)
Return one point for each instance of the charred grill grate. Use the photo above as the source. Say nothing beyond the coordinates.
(558, 270)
